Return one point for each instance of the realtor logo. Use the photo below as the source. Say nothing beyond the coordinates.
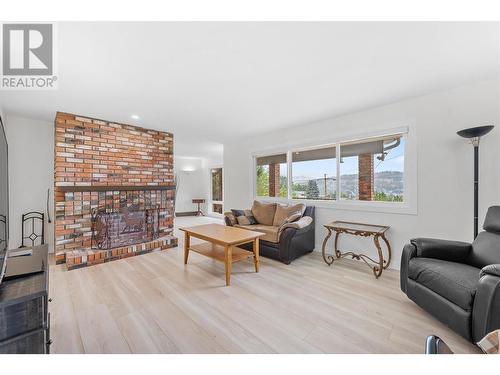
(28, 56)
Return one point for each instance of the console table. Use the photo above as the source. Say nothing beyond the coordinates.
(199, 212)
(359, 229)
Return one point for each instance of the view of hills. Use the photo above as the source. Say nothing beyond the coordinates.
(387, 183)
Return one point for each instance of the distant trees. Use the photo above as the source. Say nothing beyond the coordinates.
(217, 184)
(298, 189)
(262, 182)
(381, 196)
(283, 186)
(312, 191)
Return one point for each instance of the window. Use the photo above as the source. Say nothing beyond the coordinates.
(370, 169)
(217, 184)
(217, 190)
(389, 171)
(314, 174)
(271, 176)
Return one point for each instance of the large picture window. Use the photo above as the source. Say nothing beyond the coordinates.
(271, 176)
(370, 169)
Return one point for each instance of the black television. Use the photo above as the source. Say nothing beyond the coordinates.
(4, 200)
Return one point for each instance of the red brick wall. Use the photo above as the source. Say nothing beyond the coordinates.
(99, 153)
(366, 176)
(274, 180)
(91, 152)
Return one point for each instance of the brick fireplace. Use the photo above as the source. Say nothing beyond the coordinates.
(114, 190)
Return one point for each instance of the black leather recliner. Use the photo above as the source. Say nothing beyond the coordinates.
(457, 282)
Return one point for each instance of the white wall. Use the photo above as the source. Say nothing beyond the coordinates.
(193, 182)
(193, 176)
(444, 163)
(31, 173)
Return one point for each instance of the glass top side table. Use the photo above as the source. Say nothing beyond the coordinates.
(363, 230)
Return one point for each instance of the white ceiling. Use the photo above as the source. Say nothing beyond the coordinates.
(214, 82)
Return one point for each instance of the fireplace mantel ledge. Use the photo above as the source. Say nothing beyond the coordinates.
(114, 188)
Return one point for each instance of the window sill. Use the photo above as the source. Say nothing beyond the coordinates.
(363, 206)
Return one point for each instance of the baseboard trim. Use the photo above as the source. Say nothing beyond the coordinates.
(187, 213)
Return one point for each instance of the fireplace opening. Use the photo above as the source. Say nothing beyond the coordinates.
(126, 226)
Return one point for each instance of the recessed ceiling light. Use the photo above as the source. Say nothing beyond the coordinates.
(135, 117)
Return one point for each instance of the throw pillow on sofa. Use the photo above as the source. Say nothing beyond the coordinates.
(246, 220)
(287, 214)
(230, 219)
(237, 213)
(244, 217)
(264, 212)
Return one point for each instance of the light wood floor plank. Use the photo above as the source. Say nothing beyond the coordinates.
(144, 336)
(99, 331)
(153, 303)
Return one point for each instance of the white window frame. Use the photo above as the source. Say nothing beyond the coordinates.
(409, 204)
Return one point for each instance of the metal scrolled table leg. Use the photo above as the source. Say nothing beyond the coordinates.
(327, 258)
(388, 251)
(377, 270)
(338, 253)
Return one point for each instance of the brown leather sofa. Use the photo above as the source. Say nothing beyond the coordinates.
(289, 230)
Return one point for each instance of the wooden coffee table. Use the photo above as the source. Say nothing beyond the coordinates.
(221, 244)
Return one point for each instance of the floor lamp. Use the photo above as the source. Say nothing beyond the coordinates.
(474, 134)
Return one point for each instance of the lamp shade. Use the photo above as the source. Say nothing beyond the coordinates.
(476, 132)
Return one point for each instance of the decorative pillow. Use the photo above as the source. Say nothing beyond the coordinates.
(283, 213)
(246, 220)
(264, 212)
(237, 213)
(230, 219)
(490, 344)
(303, 222)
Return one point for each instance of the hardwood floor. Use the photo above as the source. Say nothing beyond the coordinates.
(154, 304)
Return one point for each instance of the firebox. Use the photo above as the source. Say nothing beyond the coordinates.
(128, 226)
